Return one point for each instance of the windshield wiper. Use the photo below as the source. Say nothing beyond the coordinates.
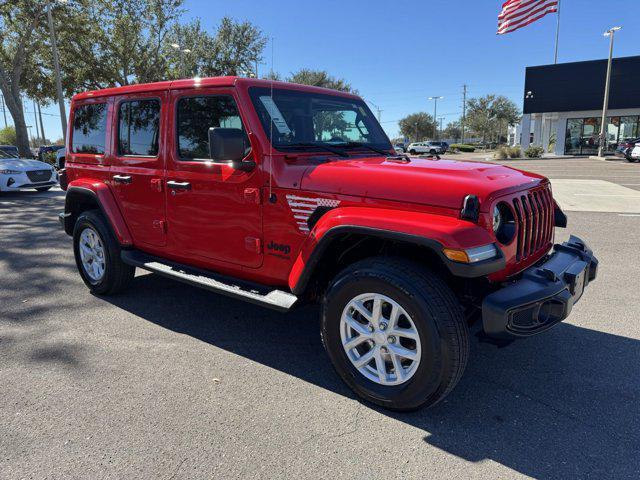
(322, 145)
(364, 145)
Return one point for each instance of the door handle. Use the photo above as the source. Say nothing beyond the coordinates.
(172, 184)
(122, 178)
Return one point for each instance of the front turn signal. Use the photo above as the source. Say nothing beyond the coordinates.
(471, 255)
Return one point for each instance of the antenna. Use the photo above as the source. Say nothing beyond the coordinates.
(272, 199)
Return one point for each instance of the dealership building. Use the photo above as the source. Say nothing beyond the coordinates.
(563, 106)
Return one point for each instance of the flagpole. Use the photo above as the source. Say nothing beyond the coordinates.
(555, 58)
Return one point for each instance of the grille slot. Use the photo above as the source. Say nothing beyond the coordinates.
(39, 175)
(534, 218)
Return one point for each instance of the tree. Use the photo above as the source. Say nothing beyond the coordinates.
(453, 130)
(320, 78)
(20, 21)
(417, 126)
(8, 136)
(489, 116)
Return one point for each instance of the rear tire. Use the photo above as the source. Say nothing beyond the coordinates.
(100, 266)
(427, 303)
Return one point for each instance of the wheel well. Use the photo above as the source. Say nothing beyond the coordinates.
(76, 203)
(352, 247)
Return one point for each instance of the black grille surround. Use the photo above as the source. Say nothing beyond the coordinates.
(39, 175)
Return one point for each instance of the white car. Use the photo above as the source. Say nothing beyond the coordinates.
(60, 155)
(635, 153)
(424, 147)
(21, 174)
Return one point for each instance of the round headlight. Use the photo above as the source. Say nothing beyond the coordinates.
(504, 223)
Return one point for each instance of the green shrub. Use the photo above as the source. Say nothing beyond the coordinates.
(534, 152)
(50, 158)
(462, 147)
(515, 152)
(502, 153)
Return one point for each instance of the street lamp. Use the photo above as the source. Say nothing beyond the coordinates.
(182, 52)
(56, 66)
(611, 34)
(435, 113)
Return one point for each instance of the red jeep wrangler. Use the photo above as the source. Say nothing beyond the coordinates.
(280, 194)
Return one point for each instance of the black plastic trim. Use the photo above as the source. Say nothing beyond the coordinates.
(317, 215)
(543, 296)
(457, 269)
(559, 217)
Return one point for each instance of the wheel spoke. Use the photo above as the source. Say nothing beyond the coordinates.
(354, 342)
(364, 359)
(376, 313)
(406, 333)
(395, 315)
(357, 326)
(403, 352)
(397, 366)
(380, 365)
(359, 306)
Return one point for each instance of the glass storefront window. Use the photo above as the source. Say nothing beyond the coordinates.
(629, 129)
(583, 134)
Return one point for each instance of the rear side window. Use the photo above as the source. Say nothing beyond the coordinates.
(89, 128)
(138, 127)
(196, 115)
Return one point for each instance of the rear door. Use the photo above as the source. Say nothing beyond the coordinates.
(138, 165)
(213, 210)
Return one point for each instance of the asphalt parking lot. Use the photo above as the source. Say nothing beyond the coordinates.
(168, 381)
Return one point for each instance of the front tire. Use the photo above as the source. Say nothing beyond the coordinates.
(395, 333)
(97, 254)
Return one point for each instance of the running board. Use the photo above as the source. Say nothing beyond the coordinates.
(234, 288)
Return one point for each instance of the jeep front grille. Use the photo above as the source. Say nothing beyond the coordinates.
(39, 175)
(534, 217)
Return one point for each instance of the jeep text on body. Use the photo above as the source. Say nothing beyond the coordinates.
(280, 194)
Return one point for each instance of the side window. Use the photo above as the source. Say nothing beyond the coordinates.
(196, 115)
(89, 128)
(139, 127)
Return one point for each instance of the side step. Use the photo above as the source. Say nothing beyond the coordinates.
(240, 289)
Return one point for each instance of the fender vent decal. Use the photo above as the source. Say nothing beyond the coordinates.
(303, 207)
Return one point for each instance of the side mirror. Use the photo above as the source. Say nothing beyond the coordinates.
(229, 145)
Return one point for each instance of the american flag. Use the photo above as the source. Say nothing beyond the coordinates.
(520, 13)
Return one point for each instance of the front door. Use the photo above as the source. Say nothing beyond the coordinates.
(138, 165)
(213, 209)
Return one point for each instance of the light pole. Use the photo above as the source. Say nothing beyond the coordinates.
(378, 109)
(435, 115)
(56, 66)
(182, 52)
(441, 119)
(611, 34)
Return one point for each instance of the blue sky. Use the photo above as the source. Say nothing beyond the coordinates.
(397, 54)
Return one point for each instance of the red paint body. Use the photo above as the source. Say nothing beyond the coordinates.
(226, 221)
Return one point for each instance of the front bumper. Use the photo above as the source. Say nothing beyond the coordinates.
(543, 296)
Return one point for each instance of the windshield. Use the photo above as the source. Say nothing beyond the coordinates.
(306, 119)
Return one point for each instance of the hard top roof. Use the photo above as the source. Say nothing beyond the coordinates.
(196, 83)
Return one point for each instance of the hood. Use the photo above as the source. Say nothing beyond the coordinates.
(442, 183)
(23, 164)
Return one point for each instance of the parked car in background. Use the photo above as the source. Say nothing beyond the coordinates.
(60, 157)
(424, 147)
(399, 147)
(10, 149)
(21, 173)
(443, 145)
(634, 156)
(43, 149)
(625, 147)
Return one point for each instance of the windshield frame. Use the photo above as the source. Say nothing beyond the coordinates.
(371, 123)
